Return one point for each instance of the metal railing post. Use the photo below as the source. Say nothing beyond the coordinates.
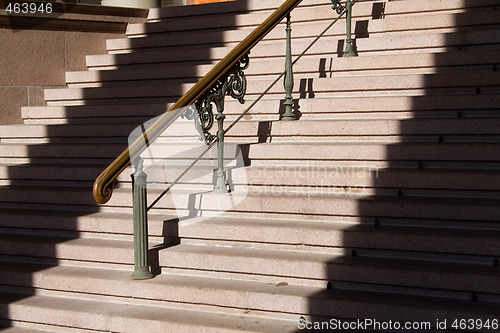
(220, 185)
(288, 80)
(349, 47)
(141, 266)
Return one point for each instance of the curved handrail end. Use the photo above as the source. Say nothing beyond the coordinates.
(101, 192)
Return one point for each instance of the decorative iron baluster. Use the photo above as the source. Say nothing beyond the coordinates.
(349, 45)
(141, 266)
(288, 80)
(233, 84)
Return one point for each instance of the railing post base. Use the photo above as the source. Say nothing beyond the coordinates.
(141, 266)
(349, 51)
(141, 273)
(349, 47)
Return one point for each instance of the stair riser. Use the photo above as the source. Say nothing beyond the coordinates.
(76, 318)
(67, 250)
(462, 41)
(94, 151)
(276, 151)
(66, 131)
(353, 107)
(408, 152)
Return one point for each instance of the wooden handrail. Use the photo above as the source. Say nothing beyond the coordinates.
(103, 185)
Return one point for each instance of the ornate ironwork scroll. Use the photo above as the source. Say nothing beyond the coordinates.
(337, 6)
(233, 84)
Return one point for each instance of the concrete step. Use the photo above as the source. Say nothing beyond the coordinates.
(105, 150)
(37, 133)
(77, 251)
(401, 7)
(116, 113)
(426, 46)
(7, 329)
(69, 313)
(424, 63)
(480, 39)
(399, 107)
(486, 81)
(320, 129)
(49, 174)
(258, 263)
(440, 22)
(483, 150)
(269, 201)
(370, 152)
(372, 128)
(291, 174)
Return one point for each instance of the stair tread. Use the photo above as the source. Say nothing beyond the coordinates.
(128, 317)
(19, 330)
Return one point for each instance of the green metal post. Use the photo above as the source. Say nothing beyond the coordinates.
(220, 186)
(288, 80)
(349, 48)
(141, 266)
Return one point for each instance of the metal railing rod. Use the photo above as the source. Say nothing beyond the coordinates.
(189, 167)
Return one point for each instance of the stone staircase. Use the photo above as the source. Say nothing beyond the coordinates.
(381, 202)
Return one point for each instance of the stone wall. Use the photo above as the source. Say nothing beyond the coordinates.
(36, 52)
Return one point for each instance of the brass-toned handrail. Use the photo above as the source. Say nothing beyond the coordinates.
(103, 185)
